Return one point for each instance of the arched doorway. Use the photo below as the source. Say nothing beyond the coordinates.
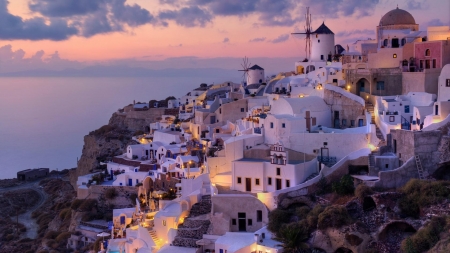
(310, 68)
(362, 85)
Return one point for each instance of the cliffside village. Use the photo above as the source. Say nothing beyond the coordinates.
(207, 174)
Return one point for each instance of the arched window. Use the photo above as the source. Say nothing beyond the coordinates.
(403, 41)
(427, 52)
(385, 42)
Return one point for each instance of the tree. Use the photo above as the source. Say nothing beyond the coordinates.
(293, 237)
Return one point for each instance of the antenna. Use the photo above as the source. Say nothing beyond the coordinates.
(245, 66)
(308, 32)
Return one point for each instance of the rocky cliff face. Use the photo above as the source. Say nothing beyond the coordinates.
(112, 139)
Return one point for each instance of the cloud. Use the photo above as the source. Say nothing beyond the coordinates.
(355, 32)
(417, 5)
(281, 38)
(341, 8)
(65, 8)
(258, 39)
(434, 22)
(14, 27)
(187, 16)
(226, 40)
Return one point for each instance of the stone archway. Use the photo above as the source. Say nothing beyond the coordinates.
(362, 85)
(369, 204)
(396, 229)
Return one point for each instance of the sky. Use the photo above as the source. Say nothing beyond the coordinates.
(61, 34)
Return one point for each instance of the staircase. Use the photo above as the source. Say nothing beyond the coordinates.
(311, 177)
(155, 238)
(380, 136)
(422, 174)
(195, 225)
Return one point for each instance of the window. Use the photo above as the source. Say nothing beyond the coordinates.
(288, 183)
(258, 216)
(233, 221)
(352, 123)
(256, 181)
(278, 171)
(403, 41)
(391, 118)
(318, 41)
(164, 223)
(250, 222)
(344, 122)
(239, 180)
(242, 109)
(385, 42)
(427, 52)
(380, 85)
(434, 63)
(421, 64)
(220, 110)
(271, 124)
(447, 83)
(321, 57)
(406, 108)
(387, 166)
(283, 125)
(427, 64)
(269, 181)
(335, 80)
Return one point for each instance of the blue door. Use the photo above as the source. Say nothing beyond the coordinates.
(130, 182)
(360, 122)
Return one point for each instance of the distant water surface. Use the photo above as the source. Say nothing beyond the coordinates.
(43, 120)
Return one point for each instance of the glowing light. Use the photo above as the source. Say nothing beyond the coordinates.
(348, 87)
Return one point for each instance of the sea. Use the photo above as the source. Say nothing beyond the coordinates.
(43, 119)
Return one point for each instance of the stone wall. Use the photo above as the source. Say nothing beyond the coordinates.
(348, 108)
(122, 199)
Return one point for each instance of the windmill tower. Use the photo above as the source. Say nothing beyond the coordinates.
(245, 68)
(319, 43)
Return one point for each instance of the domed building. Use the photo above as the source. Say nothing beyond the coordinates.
(396, 29)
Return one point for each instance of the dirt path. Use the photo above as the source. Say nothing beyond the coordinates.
(26, 219)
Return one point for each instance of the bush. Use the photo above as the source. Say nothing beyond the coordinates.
(419, 194)
(138, 132)
(277, 218)
(426, 237)
(87, 205)
(334, 216)
(51, 234)
(111, 193)
(313, 216)
(76, 204)
(363, 191)
(344, 186)
(63, 237)
(302, 212)
(65, 214)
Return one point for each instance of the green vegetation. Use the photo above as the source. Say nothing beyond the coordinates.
(363, 191)
(334, 216)
(65, 213)
(426, 237)
(419, 194)
(293, 236)
(344, 186)
(111, 193)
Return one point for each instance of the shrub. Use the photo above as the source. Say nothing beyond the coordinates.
(138, 132)
(65, 214)
(111, 193)
(313, 216)
(277, 218)
(302, 212)
(419, 194)
(344, 186)
(76, 204)
(88, 205)
(426, 237)
(363, 191)
(334, 216)
(293, 236)
(63, 237)
(51, 234)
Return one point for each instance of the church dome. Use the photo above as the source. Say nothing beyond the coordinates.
(397, 17)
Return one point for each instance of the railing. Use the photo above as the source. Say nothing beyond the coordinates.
(327, 159)
(405, 124)
(257, 130)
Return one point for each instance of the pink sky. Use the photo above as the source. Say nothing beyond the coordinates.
(226, 30)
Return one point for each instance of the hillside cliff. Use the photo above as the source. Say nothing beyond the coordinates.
(112, 139)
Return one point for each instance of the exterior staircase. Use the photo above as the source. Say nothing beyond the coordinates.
(422, 174)
(370, 109)
(155, 238)
(311, 177)
(195, 225)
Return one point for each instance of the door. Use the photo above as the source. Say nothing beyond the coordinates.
(278, 184)
(213, 120)
(395, 43)
(248, 184)
(336, 119)
(308, 121)
(241, 222)
(360, 122)
(130, 182)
